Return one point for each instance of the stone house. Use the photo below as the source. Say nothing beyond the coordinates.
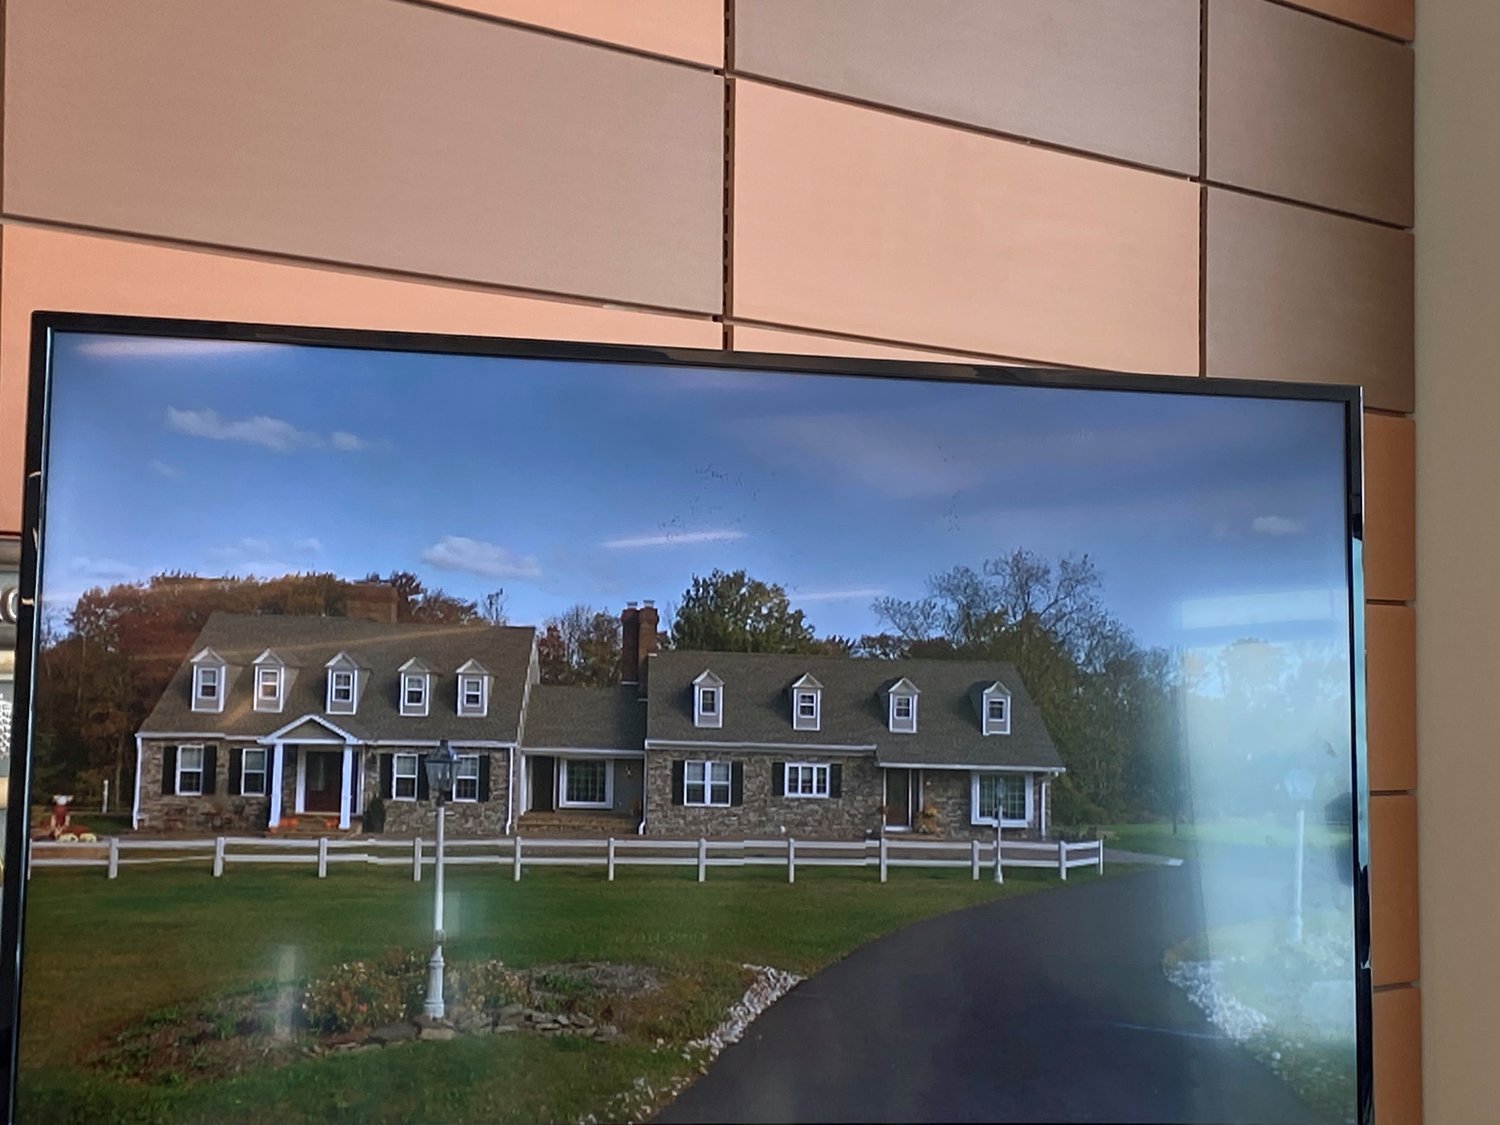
(274, 722)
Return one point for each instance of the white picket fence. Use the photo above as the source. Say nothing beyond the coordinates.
(519, 854)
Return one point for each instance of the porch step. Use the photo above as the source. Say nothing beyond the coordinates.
(313, 825)
(590, 825)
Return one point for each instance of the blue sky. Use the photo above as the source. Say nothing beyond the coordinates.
(1210, 518)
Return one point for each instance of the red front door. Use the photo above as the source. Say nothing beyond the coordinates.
(323, 783)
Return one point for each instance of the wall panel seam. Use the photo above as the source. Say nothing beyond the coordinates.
(1324, 16)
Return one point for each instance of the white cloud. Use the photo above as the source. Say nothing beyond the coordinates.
(164, 469)
(88, 569)
(852, 595)
(672, 539)
(308, 546)
(1276, 525)
(159, 347)
(273, 433)
(473, 556)
(347, 442)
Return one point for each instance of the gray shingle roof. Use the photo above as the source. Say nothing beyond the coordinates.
(757, 707)
(585, 718)
(308, 643)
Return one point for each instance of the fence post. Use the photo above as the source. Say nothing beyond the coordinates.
(884, 856)
(322, 857)
(416, 859)
(1100, 844)
(218, 856)
(702, 859)
(114, 857)
(516, 860)
(609, 863)
(974, 859)
(1062, 860)
(791, 860)
(999, 875)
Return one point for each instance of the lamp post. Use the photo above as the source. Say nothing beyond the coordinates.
(1299, 785)
(440, 770)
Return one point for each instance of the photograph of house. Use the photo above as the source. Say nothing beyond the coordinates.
(276, 720)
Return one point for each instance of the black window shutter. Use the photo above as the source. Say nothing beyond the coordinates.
(422, 793)
(484, 777)
(835, 780)
(737, 783)
(778, 779)
(678, 772)
(169, 769)
(236, 771)
(210, 772)
(386, 762)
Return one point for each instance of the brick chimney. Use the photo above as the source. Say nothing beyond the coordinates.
(630, 644)
(370, 601)
(646, 641)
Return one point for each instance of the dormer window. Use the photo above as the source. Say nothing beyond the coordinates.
(708, 701)
(473, 690)
(208, 681)
(996, 709)
(903, 707)
(415, 685)
(807, 704)
(343, 685)
(270, 681)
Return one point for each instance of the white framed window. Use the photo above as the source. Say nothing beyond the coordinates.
(466, 778)
(904, 713)
(1005, 794)
(471, 695)
(268, 689)
(806, 716)
(208, 687)
(189, 771)
(586, 783)
(706, 783)
(253, 773)
(404, 769)
(708, 701)
(996, 710)
(804, 780)
(343, 690)
(414, 694)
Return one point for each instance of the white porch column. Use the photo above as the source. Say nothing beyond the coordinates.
(344, 793)
(275, 819)
(1042, 815)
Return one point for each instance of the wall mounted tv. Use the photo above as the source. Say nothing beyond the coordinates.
(458, 729)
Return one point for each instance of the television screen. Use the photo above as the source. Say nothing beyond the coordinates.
(417, 728)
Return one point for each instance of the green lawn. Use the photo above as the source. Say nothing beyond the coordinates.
(1157, 838)
(103, 954)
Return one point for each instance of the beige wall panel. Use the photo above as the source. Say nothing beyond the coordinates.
(1391, 679)
(1116, 77)
(1393, 889)
(1390, 508)
(681, 29)
(386, 135)
(77, 273)
(859, 221)
(1398, 1056)
(1390, 17)
(752, 338)
(1334, 128)
(1303, 296)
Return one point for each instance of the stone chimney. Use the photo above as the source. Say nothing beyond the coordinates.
(370, 601)
(646, 641)
(630, 644)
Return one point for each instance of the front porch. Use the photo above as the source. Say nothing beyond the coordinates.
(571, 788)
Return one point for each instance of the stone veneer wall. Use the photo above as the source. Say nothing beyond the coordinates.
(950, 792)
(211, 813)
(852, 816)
(465, 818)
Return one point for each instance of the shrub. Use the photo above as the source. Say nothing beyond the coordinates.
(1072, 808)
(375, 815)
(361, 994)
(486, 986)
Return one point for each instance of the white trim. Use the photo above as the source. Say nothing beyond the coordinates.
(807, 722)
(826, 774)
(1005, 821)
(298, 805)
(337, 707)
(908, 723)
(202, 703)
(416, 776)
(135, 808)
(478, 769)
(408, 681)
(264, 771)
(274, 703)
(456, 743)
(510, 791)
(346, 783)
(779, 747)
(609, 788)
(708, 784)
(996, 691)
(483, 710)
(282, 731)
(707, 681)
(1053, 770)
(276, 784)
(177, 790)
(584, 752)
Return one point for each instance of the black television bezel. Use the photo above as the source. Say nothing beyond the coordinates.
(44, 324)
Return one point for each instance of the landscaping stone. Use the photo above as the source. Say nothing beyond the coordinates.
(393, 1033)
(438, 1033)
(512, 1011)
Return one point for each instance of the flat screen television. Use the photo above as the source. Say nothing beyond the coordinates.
(459, 729)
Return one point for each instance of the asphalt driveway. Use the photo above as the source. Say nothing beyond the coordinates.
(1051, 1007)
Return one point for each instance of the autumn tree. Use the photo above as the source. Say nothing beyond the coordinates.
(732, 612)
(416, 603)
(581, 645)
